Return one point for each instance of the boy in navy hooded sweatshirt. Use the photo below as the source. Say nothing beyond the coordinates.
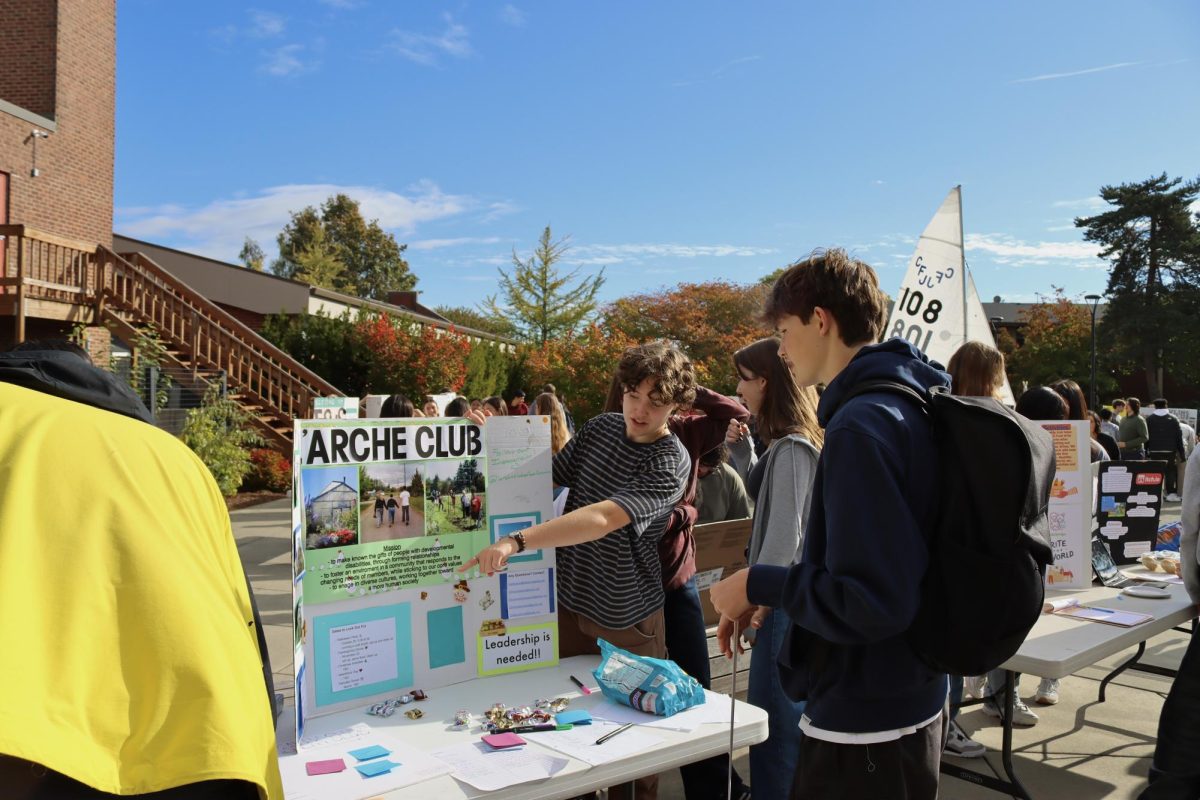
(875, 718)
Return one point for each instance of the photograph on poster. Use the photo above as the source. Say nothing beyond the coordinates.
(455, 496)
(392, 502)
(330, 506)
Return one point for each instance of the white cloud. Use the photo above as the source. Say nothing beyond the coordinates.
(265, 24)
(1005, 249)
(636, 253)
(424, 48)
(1084, 204)
(217, 229)
(1056, 75)
(438, 244)
(718, 72)
(500, 208)
(287, 61)
(511, 15)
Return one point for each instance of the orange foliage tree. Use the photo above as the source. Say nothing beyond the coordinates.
(415, 360)
(580, 366)
(708, 321)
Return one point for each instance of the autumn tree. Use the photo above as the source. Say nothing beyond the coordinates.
(1151, 239)
(348, 253)
(411, 359)
(540, 303)
(579, 365)
(708, 321)
(1056, 343)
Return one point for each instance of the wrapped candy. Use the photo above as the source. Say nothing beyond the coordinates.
(462, 718)
(414, 713)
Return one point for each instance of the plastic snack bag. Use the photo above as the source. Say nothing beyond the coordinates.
(653, 685)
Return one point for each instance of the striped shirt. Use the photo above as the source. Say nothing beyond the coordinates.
(616, 580)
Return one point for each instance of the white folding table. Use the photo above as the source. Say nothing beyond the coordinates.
(1059, 646)
(433, 732)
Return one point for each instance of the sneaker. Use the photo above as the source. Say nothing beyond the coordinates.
(1047, 692)
(1173, 498)
(961, 745)
(975, 686)
(1022, 716)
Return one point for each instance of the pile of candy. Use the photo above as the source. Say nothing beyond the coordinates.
(388, 707)
(501, 717)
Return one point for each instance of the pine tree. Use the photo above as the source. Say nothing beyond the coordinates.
(540, 303)
(1152, 240)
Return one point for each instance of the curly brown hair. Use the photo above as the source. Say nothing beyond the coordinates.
(669, 371)
(845, 287)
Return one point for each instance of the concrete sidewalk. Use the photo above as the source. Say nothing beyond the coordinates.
(1079, 749)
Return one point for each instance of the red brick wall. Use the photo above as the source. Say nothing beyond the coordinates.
(251, 319)
(28, 44)
(73, 196)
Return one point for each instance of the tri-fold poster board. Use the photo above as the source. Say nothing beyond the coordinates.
(385, 511)
(1070, 506)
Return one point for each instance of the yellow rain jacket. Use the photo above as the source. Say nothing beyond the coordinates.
(128, 658)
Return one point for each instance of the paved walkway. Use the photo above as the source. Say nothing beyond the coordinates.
(1079, 749)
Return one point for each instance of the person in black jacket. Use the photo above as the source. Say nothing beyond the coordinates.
(876, 718)
(1166, 444)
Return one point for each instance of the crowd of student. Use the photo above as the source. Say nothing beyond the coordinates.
(842, 484)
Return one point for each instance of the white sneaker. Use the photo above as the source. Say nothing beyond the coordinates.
(1173, 498)
(975, 686)
(1047, 692)
(961, 745)
(1022, 716)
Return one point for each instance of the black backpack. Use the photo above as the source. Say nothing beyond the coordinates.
(989, 548)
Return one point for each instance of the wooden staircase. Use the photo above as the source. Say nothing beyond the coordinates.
(199, 335)
(43, 275)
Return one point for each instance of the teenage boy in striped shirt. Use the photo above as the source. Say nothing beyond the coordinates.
(626, 473)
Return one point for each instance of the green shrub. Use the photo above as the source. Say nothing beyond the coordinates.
(219, 433)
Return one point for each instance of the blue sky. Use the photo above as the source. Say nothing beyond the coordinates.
(673, 141)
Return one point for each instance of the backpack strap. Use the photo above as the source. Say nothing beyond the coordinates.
(892, 387)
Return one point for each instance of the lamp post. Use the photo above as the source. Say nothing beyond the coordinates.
(1093, 301)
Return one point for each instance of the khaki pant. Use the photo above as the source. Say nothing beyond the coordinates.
(577, 636)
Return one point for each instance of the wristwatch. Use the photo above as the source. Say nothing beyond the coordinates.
(519, 538)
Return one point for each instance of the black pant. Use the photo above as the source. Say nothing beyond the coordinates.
(1172, 475)
(1175, 772)
(904, 769)
(687, 646)
(23, 780)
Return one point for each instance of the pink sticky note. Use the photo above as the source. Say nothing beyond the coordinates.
(502, 740)
(325, 767)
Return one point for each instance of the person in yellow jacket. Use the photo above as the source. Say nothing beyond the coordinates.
(129, 657)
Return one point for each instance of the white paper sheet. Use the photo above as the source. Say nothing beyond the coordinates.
(362, 653)
(714, 709)
(580, 742)
(528, 593)
(415, 767)
(477, 764)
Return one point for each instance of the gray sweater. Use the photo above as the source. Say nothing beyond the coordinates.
(783, 501)
(1190, 517)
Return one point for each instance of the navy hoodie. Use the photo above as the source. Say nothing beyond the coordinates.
(856, 589)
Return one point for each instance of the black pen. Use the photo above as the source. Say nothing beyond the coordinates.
(611, 734)
(579, 683)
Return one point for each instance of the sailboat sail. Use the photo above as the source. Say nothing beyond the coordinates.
(937, 308)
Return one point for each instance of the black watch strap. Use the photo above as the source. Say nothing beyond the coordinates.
(519, 538)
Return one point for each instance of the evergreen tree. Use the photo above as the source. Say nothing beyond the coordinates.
(1152, 240)
(540, 303)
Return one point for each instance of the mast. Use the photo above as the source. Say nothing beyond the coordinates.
(962, 251)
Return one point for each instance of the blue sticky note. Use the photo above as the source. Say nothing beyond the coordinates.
(580, 717)
(376, 768)
(367, 753)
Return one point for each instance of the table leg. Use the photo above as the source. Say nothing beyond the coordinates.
(1012, 786)
(1108, 678)
(1010, 700)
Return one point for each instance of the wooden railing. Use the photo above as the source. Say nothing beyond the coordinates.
(142, 292)
(45, 266)
(131, 293)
